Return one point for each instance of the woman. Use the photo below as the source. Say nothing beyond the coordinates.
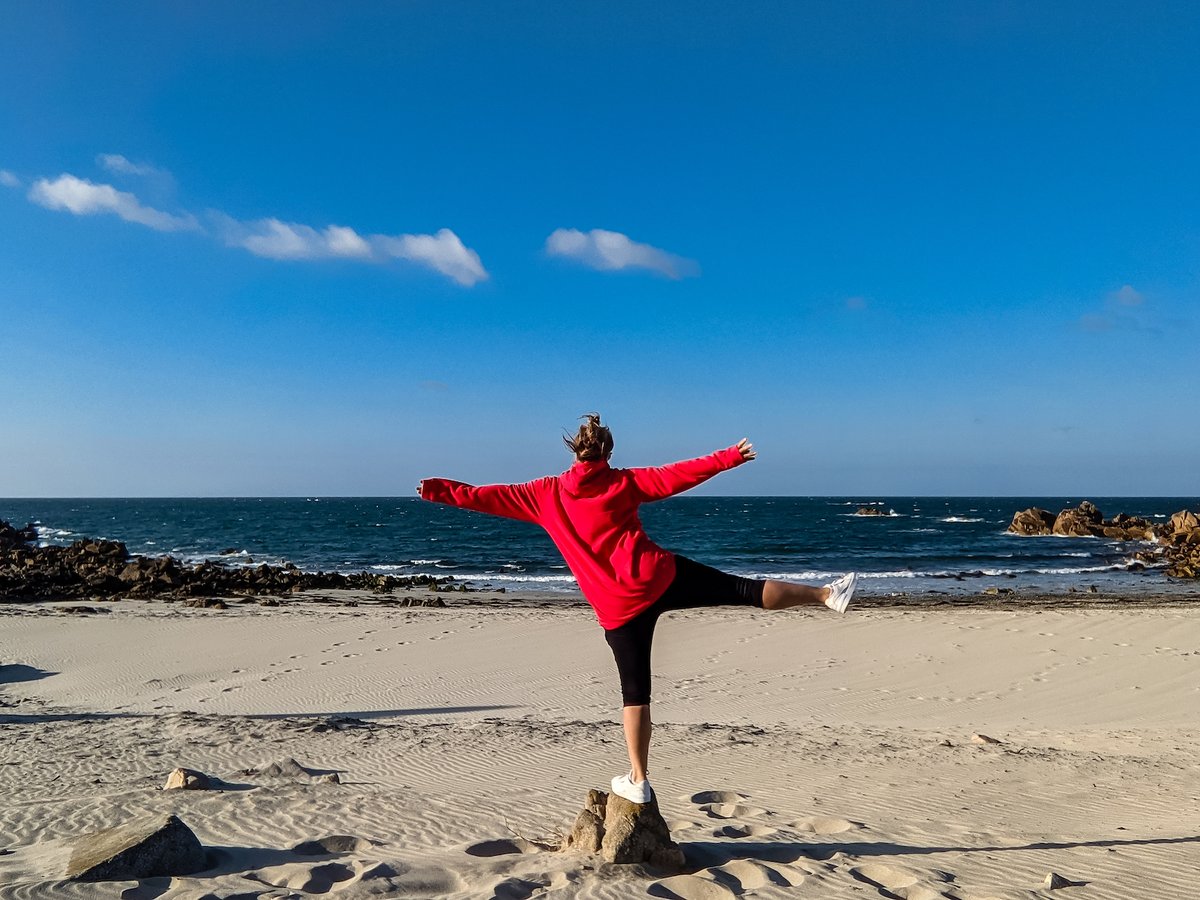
(590, 512)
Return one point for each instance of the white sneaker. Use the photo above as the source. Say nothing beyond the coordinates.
(633, 791)
(841, 591)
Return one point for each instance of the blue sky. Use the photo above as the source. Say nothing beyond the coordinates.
(320, 249)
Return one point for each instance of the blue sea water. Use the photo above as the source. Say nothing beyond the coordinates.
(950, 545)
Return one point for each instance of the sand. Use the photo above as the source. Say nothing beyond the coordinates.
(796, 754)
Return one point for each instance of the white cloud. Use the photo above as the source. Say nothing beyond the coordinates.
(344, 241)
(443, 252)
(287, 240)
(270, 237)
(115, 162)
(612, 251)
(1126, 296)
(84, 198)
(1123, 311)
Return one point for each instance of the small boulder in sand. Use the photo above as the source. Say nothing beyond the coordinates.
(587, 834)
(149, 848)
(984, 739)
(187, 780)
(624, 832)
(1054, 881)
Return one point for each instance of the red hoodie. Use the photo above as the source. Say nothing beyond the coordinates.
(590, 512)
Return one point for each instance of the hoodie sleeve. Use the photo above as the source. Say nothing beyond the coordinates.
(513, 501)
(661, 482)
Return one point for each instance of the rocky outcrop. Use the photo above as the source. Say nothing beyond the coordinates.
(869, 511)
(92, 569)
(1032, 521)
(150, 848)
(1184, 522)
(1084, 520)
(1181, 548)
(1178, 539)
(624, 832)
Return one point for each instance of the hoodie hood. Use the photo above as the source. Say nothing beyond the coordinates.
(586, 478)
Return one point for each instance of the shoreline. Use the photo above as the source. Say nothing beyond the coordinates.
(458, 596)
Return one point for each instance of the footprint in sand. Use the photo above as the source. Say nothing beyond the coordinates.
(334, 843)
(718, 797)
(826, 825)
(691, 887)
(730, 810)
(753, 874)
(892, 881)
(517, 889)
(500, 847)
(744, 831)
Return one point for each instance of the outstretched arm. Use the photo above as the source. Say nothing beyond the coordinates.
(665, 481)
(513, 501)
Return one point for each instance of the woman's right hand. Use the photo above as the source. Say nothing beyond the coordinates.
(420, 484)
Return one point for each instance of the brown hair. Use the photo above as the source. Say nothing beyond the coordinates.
(593, 440)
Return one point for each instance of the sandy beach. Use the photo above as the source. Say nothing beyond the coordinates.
(795, 754)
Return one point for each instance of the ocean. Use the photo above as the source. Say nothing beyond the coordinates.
(950, 545)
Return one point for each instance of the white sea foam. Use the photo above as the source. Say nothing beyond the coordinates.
(959, 519)
(45, 532)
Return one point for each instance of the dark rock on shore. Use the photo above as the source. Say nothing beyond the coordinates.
(1178, 540)
(96, 569)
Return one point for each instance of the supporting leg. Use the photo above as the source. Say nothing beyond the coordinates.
(637, 739)
(785, 595)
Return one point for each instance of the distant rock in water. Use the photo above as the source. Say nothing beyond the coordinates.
(1032, 521)
(96, 569)
(1179, 539)
(870, 511)
(1085, 520)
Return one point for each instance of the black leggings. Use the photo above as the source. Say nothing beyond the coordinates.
(695, 586)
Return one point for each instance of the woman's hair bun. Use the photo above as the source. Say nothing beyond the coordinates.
(592, 441)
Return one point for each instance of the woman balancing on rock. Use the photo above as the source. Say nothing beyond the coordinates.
(591, 513)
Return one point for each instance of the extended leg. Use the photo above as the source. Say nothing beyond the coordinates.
(784, 595)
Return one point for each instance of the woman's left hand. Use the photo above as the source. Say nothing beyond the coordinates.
(746, 448)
